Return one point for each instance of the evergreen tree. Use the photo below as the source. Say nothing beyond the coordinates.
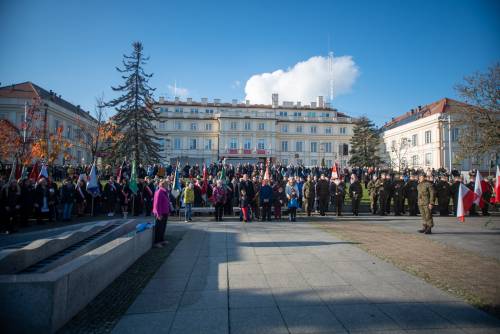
(135, 113)
(365, 144)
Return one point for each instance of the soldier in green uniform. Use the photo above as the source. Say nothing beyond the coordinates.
(397, 194)
(356, 193)
(426, 198)
(380, 187)
(443, 193)
(389, 192)
(372, 192)
(457, 180)
(309, 193)
(411, 193)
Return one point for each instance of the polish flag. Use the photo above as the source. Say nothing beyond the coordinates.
(480, 186)
(335, 173)
(466, 198)
(497, 186)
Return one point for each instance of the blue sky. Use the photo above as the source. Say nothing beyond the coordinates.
(408, 53)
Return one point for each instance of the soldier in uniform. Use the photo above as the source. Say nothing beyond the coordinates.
(443, 193)
(426, 198)
(372, 192)
(380, 187)
(309, 193)
(411, 193)
(323, 193)
(398, 196)
(356, 193)
(339, 190)
(454, 192)
(389, 192)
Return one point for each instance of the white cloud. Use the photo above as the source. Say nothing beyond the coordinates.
(178, 91)
(236, 84)
(304, 82)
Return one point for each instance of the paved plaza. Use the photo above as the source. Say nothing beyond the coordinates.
(292, 278)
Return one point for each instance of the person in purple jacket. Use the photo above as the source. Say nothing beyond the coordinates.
(161, 210)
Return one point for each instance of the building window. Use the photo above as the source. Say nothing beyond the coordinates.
(299, 146)
(192, 144)
(311, 114)
(208, 144)
(284, 128)
(325, 114)
(208, 126)
(194, 126)
(162, 144)
(314, 162)
(233, 125)
(284, 161)
(343, 131)
(284, 146)
(178, 125)
(69, 132)
(428, 137)
(314, 129)
(328, 147)
(248, 144)
(162, 125)
(209, 111)
(262, 126)
(248, 126)
(79, 156)
(56, 125)
(454, 134)
(428, 159)
(283, 113)
(328, 131)
(414, 160)
(414, 140)
(297, 114)
(261, 144)
(177, 144)
(314, 147)
(298, 129)
(194, 111)
(233, 144)
(179, 110)
(328, 163)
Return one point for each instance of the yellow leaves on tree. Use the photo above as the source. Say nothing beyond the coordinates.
(52, 149)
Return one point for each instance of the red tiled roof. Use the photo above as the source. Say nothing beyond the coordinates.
(438, 107)
(23, 90)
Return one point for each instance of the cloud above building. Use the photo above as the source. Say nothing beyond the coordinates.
(304, 81)
(177, 91)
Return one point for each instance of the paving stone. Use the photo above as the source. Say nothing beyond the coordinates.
(365, 317)
(159, 285)
(203, 282)
(244, 268)
(251, 298)
(156, 302)
(257, 321)
(296, 297)
(278, 268)
(323, 279)
(249, 281)
(311, 319)
(200, 322)
(465, 316)
(415, 316)
(145, 323)
(203, 300)
(340, 294)
(286, 281)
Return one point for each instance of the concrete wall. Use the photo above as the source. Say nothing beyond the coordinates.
(43, 303)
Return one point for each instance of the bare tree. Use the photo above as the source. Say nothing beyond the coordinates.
(479, 121)
(397, 154)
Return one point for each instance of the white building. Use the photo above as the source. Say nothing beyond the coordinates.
(56, 111)
(290, 133)
(421, 139)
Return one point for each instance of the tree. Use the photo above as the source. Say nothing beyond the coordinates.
(479, 121)
(364, 144)
(135, 113)
(50, 151)
(397, 154)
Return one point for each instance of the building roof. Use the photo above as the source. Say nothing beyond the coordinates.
(439, 107)
(29, 90)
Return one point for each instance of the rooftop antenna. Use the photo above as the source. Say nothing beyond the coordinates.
(175, 88)
(330, 70)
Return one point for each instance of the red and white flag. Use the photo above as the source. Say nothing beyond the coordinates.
(466, 198)
(266, 174)
(497, 186)
(480, 186)
(335, 173)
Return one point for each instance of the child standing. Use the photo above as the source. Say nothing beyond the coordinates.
(279, 200)
(293, 204)
(245, 206)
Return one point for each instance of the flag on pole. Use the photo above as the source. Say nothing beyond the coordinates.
(120, 171)
(497, 186)
(24, 173)
(12, 175)
(44, 172)
(92, 186)
(335, 172)
(480, 186)
(133, 179)
(267, 175)
(34, 172)
(204, 186)
(465, 200)
(176, 188)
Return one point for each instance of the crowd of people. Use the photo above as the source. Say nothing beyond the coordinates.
(257, 191)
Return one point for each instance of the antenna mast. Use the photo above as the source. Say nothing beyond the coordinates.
(330, 75)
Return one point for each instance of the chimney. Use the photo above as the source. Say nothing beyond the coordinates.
(162, 99)
(275, 100)
(234, 102)
(320, 102)
(204, 100)
(247, 102)
(299, 104)
(313, 104)
(189, 100)
(217, 101)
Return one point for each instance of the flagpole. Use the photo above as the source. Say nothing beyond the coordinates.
(92, 208)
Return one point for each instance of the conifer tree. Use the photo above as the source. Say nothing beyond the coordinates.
(134, 111)
(365, 144)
